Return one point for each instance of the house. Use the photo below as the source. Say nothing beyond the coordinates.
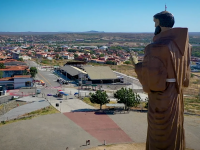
(13, 62)
(25, 57)
(41, 55)
(15, 55)
(10, 71)
(68, 56)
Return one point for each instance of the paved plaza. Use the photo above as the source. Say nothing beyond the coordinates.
(72, 129)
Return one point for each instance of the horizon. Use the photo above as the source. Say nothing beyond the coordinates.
(109, 16)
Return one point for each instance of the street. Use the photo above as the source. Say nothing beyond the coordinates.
(48, 77)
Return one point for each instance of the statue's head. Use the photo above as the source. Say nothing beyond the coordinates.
(163, 19)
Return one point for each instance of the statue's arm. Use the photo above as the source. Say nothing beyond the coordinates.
(152, 73)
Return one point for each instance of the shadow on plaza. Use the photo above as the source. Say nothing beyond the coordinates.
(108, 111)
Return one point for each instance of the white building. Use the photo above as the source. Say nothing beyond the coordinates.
(66, 56)
(103, 47)
(89, 47)
(25, 57)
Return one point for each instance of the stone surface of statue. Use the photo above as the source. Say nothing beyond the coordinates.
(164, 72)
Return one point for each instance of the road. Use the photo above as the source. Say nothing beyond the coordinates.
(135, 84)
(48, 77)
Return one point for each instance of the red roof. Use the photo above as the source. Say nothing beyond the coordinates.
(6, 79)
(14, 68)
(22, 76)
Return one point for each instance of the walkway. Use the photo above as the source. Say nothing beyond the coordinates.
(27, 108)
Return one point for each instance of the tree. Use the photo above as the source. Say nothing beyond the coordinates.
(111, 62)
(20, 59)
(146, 103)
(99, 97)
(2, 66)
(127, 62)
(1, 74)
(33, 71)
(101, 55)
(128, 97)
(57, 56)
(75, 55)
(25, 72)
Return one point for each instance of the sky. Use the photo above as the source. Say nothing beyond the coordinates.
(98, 15)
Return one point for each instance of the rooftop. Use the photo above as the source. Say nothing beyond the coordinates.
(100, 73)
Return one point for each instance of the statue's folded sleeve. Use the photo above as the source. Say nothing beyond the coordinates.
(152, 74)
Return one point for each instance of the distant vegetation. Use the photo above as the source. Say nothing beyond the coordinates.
(196, 51)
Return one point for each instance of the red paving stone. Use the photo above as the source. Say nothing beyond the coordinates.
(100, 126)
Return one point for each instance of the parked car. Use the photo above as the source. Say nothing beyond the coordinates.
(38, 91)
(14, 97)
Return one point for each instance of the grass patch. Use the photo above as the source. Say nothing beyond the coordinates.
(192, 104)
(28, 116)
(44, 111)
(87, 101)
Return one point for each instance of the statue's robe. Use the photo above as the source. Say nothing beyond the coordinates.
(167, 58)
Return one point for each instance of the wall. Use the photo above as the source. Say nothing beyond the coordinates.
(20, 82)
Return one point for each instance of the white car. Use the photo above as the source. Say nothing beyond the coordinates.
(15, 97)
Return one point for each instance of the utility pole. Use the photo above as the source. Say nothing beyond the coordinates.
(35, 88)
(78, 86)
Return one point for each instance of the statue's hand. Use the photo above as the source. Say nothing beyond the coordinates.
(133, 58)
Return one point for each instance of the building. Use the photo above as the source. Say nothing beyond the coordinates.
(25, 57)
(73, 73)
(100, 74)
(67, 56)
(10, 71)
(103, 48)
(15, 82)
(15, 55)
(88, 47)
(78, 64)
(91, 74)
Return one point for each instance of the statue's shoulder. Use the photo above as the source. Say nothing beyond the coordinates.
(160, 47)
(164, 43)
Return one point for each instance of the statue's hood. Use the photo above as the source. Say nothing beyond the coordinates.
(178, 35)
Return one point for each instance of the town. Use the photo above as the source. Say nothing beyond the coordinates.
(64, 72)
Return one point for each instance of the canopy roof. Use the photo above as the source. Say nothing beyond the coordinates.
(100, 73)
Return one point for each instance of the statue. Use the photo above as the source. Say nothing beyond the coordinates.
(164, 72)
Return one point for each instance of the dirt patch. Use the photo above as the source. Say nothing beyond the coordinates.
(4, 108)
